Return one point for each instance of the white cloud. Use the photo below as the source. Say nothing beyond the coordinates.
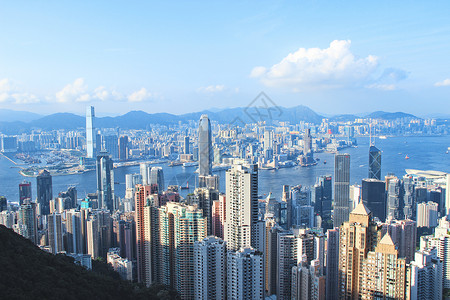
(9, 92)
(335, 66)
(212, 88)
(76, 91)
(139, 96)
(384, 87)
(445, 82)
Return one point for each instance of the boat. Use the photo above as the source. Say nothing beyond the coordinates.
(406, 157)
(382, 137)
(324, 162)
(190, 164)
(185, 187)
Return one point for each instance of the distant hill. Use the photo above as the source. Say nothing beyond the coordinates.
(9, 115)
(27, 272)
(141, 120)
(390, 116)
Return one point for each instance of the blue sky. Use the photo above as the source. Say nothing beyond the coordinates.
(184, 56)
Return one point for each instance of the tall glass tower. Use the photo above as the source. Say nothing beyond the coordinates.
(90, 134)
(44, 191)
(205, 151)
(341, 189)
(105, 181)
(374, 163)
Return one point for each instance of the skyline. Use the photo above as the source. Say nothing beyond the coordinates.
(179, 57)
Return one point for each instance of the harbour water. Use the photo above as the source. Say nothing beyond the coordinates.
(425, 153)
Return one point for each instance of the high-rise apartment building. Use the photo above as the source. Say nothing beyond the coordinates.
(241, 230)
(425, 276)
(55, 234)
(44, 189)
(245, 274)
(308, 281)
(374, 163)
(427, 214)
(403, 233)
(143, 261)
(210, 265)
(105, 182)
(205, 150)
(27, 218)
(341, 189)
(409, 201)
(91, 136)
(75, 239)
(368, 268)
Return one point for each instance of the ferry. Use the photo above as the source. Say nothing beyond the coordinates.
(190, 164)
(382, 137)
(406, 157)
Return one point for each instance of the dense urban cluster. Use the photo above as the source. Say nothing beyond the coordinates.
(386, 238)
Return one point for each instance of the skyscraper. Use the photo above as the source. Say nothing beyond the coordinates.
(205, 151)
(425, 276)
(90, 133)
(210, 265)
(24, 191)
(332, 276)
(105, 182)
(341, 189)
(55, 239)
(143, 167)
(374, 197)
(186, 145)
(368, 269)
(157, 178)
(143, 260)
(374, 163)
(44, 189)
(27, 218)
(394, 199)
(245, 275)
(241, 230)
(123, 148)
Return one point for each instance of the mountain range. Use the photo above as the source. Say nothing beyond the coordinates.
(16, 122)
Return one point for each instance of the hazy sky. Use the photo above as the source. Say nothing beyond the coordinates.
(184, 56)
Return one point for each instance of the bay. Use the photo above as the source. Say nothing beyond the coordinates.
(424, 152)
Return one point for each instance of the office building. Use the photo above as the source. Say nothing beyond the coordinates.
(186, 145)
(105, 182)
(241, 230)
(24, 191)
(210, 262)
(409, 201)
(157, 179)
(374, 163)
(205, 151)
(374, 197)
(341, 189)
(332, 258)
(44, 190)
(123, 148)
(395, 199)
(143, 167)
(91, 136)
(245, 274)
(110, 144)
